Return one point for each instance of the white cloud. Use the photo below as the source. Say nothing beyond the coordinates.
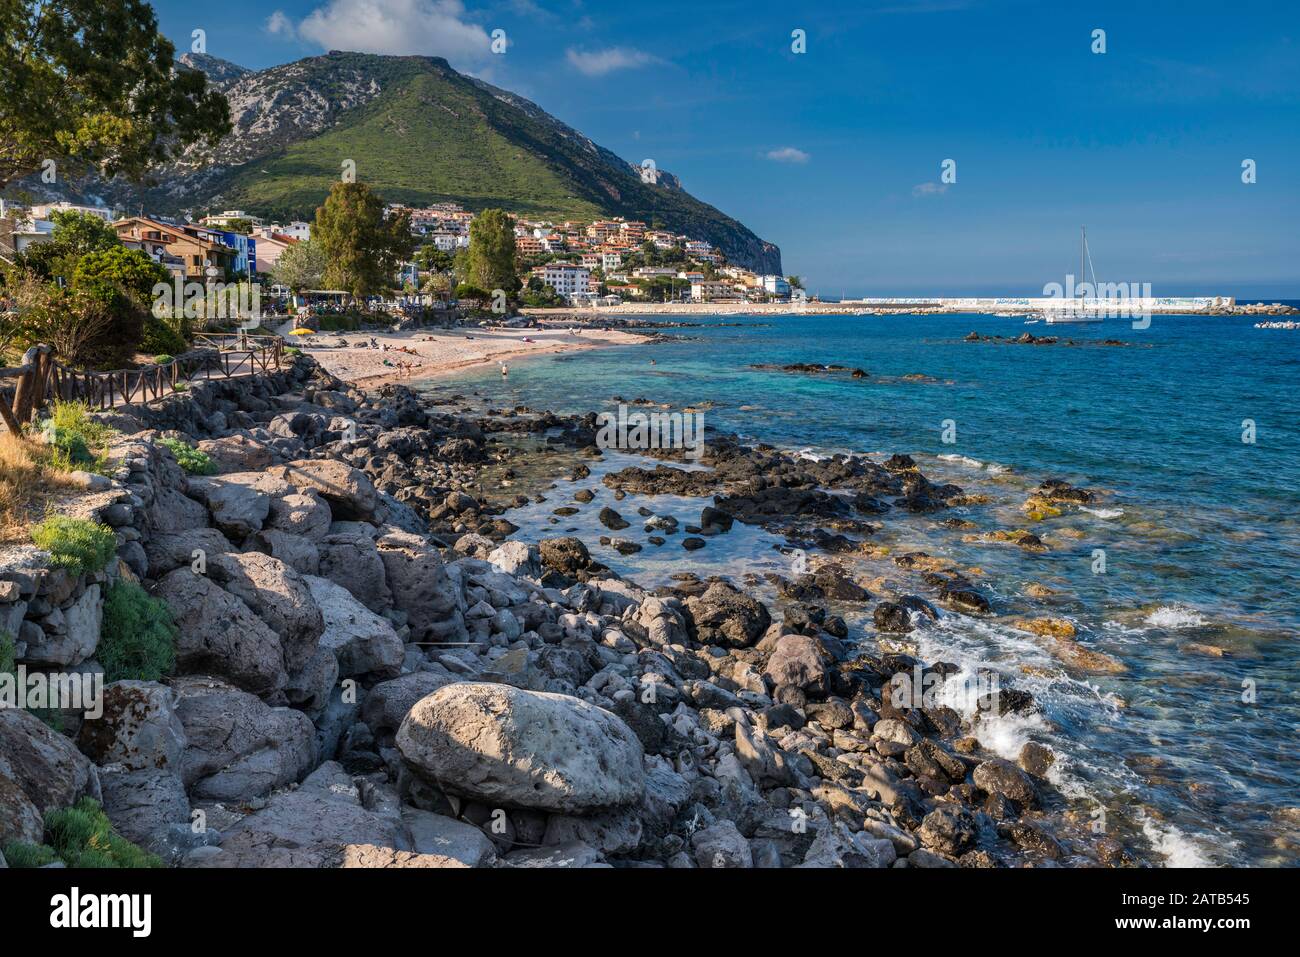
(788, 154)
(600, 62)
(278, 24)
(398, 27)
(929, 189)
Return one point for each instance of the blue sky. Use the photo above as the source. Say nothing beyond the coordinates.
(836, 154)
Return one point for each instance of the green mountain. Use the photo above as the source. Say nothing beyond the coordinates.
(418, 132)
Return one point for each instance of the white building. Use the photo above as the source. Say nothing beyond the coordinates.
(567, 279)
(776, 286)
(224, 219)
(46, 210)
(449, 242)
(296, 230)
(706, 290)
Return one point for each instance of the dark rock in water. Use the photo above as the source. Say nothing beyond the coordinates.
(625, 547)
(1029, 837)
(723, 615)
(900, 463)
(921, 495)
(1007, 701)
(716, 519)
(1037, 759)
(656, 540)
(1055, 490)
(836, 626)
(580, 472)
(564, 510)
(868, 504)
(804, 619)
(1000, 776)
(802, 589)
(611, 519)
(836, 585)
(896, 616)
(859, 374)
(568, 556)
(959, 595)
(691, 544)
(584, 495)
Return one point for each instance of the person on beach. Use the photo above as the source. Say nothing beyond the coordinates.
(505, 370)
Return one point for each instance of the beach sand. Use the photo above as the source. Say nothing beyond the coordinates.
(438, 352)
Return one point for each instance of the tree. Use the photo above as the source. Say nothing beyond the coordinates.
(492, 251)
(75, 235)
(119, 268)
(429, 257)
(92, 84)
(796, 282)
(438, 284)
(77, 324)
(300, 266)
(362, 248)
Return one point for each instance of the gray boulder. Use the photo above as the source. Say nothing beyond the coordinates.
(168, 551)
(388, 703)
(238, 748)
(297, 552)
(351, 560)
(302, 513)
(69, 635)
(726, 616)
(363, 642)
(219, 635)
(144, 803)
(421, 587)
(312, 825)
(721, 845)
(277, 595)
(40, 770)
(504, 745)
(138, 729)
(447, 837)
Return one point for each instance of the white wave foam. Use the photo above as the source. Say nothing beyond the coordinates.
(1175, 616)
(1102, 512)
(963, 459)
(1174, 846)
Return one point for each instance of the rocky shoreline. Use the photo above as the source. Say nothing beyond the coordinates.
(369, 674)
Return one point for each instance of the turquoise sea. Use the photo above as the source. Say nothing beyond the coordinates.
(1192, 751)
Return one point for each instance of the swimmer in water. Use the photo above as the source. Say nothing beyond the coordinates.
(505, 370)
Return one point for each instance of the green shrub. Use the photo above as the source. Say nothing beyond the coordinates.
(291, 351)
(345, 322)
(189, 458)
(76, 440)
(80, 836)
(163, 359)
(77, 544)
(164, 336)
(137, 640)
(7, 652)
(19, 854)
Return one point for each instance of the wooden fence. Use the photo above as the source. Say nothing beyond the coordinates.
(42, 378)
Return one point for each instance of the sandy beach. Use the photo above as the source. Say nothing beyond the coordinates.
(431, 353)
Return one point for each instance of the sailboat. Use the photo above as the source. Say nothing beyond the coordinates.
(1078, 309)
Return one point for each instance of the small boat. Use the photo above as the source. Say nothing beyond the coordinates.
(1083, 311)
